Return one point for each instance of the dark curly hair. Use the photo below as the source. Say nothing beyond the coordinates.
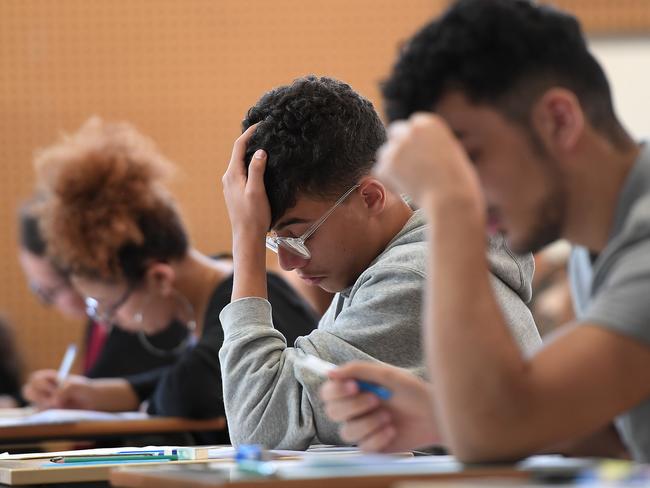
(503, 53)
(320, 136)
(105, 212)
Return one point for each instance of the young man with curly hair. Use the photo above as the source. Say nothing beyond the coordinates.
(539, 153)
(311, 146)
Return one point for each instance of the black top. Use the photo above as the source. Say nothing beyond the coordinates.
(123, 354)
(10, 364)
(192, 387)
(9, 381)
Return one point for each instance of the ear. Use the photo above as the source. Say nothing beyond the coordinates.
(160, 278)
(373, 195)
(559, 120)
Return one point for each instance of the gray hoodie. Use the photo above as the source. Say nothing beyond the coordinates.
(271, 400)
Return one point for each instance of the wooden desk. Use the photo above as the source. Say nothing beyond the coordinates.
(170, 477)
(363, 473)
(38, 473)
(106, 428)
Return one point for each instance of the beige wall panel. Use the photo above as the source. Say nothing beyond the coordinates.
(626, 17)
(183, 72)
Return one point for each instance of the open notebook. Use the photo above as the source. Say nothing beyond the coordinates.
(16, 417)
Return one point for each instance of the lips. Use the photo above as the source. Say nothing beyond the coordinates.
(312, 280)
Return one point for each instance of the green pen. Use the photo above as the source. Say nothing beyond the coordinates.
(117, 458)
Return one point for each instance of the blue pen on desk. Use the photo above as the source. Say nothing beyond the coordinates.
(319, 366)
(152, 452)
(250, 459)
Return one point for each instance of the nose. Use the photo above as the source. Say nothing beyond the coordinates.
(290, 261)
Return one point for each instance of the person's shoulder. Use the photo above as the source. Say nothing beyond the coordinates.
(637, 222)
(514, 270)
(410, 255)
(409, 249)
(401, 267)
(629, 249)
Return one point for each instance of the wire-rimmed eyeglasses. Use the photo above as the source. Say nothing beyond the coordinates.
(296, 245)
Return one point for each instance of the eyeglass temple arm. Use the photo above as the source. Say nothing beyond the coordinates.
(318, 223)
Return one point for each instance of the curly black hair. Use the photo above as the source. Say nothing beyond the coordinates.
(320, 135)
(502, 53)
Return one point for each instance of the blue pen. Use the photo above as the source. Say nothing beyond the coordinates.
(153, 452)
(321, 367)
(250, 459)
(380, 391)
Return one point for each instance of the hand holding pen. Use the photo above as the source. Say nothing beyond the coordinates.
(72, 391)
(402, 422)
(42, 385)
(323, 368)
(49, 388)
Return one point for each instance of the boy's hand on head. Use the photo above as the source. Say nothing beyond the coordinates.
(405, 421)
(423, 159)
(245, 195)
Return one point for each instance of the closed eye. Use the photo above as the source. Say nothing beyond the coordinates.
(295, 230)
(474, 155)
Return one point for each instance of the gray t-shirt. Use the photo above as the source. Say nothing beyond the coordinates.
(612, 289)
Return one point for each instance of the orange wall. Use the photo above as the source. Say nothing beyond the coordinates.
(184, 72)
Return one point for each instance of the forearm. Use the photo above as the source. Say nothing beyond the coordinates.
(265, 402)
(250, 218)
(604, 443)
(471, 355)
(114, 395)
(249, 260)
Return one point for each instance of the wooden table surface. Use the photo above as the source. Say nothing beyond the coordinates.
(105, 428)
(202, 478)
